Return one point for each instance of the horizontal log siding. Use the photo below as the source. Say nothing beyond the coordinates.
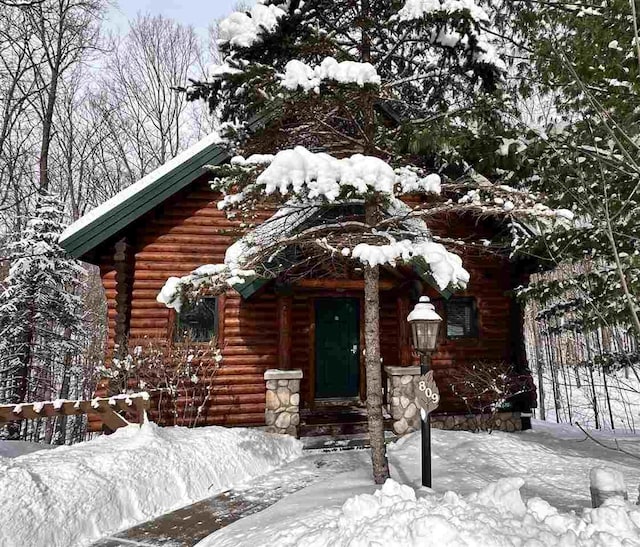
(189, 231)
(186, 232)
(491, 284)
(389, 329)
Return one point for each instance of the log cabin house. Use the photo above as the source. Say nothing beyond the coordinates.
(292, 353)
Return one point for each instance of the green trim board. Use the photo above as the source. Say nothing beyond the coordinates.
(250, 286)
(141, 197)
(126, 207)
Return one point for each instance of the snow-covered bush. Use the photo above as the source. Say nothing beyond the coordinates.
(488, 387)
(178, 376)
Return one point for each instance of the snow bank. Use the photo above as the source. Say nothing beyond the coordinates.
(301, 75)
(13, 449)
(73, 495)
(493, 516)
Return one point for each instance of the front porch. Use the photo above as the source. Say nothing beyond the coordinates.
(344, 421)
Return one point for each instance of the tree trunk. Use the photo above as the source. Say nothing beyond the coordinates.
(539, 364)
(593, 384)
(60, 435)
(373, 365)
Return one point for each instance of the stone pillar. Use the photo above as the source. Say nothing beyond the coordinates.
(401, 398)
(282, 411)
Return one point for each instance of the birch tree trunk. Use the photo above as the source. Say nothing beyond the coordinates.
(539, 364)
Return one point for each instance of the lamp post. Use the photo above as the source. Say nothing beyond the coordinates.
(425, 323)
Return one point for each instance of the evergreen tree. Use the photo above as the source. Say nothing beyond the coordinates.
(582, 153)
(39, 312)
(360, 102)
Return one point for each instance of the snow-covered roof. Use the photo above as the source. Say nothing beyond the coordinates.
(129, 204)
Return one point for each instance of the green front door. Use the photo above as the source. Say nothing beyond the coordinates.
(337, 347)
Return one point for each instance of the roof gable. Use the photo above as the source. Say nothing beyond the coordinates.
(131, 203)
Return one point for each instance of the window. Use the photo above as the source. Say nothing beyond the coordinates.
(461, 318)
(197, 322)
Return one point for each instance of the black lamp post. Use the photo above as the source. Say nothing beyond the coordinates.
(425, 323)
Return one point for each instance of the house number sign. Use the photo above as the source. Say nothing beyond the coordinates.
(427, 393)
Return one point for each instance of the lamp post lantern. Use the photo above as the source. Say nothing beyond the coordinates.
(425, 324)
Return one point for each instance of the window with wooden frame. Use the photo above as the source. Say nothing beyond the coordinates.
(197, 322)
(461, 317)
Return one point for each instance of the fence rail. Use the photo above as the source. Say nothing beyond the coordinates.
(107, 408)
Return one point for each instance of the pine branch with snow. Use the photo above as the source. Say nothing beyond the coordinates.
(40, 311)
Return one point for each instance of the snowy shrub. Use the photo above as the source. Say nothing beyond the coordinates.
(488, 387)
(179, 377)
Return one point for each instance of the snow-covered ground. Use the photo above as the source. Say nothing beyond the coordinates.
(13, 449)
(496, 485)
(588, 398)
(72, 495)
(526, 489)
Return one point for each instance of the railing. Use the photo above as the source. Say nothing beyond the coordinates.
(106, 407)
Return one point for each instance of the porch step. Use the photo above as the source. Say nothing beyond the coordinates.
(335, 422)
(326, 443)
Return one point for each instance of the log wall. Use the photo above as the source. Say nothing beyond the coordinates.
(189, 230)
(499, 331)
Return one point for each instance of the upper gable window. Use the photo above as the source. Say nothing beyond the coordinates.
(198, 322)
(462, 317)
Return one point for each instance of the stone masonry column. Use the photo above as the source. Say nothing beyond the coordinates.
(282, 411)
(401, 399)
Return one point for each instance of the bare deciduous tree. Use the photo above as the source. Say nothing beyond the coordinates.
(141, 105)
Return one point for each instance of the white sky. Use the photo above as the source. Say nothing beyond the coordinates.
(198, 13)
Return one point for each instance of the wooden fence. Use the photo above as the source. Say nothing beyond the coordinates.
(111, 410)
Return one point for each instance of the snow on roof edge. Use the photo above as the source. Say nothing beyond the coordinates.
(135, 188)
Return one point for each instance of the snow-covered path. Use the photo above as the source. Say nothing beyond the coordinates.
(185, 526)
(553, 460)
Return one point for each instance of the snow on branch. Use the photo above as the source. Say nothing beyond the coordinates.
(301, 75)
(485, 51)
(244, 29)
(215, 277)
(446, 267)
(522, 203)
(416, 9)
(318, 175)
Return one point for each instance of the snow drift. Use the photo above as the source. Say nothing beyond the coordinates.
(494, 516)
(73, 495)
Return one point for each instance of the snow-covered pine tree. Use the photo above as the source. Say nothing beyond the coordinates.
(39, 312)
(360, 102)
(584, 61)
